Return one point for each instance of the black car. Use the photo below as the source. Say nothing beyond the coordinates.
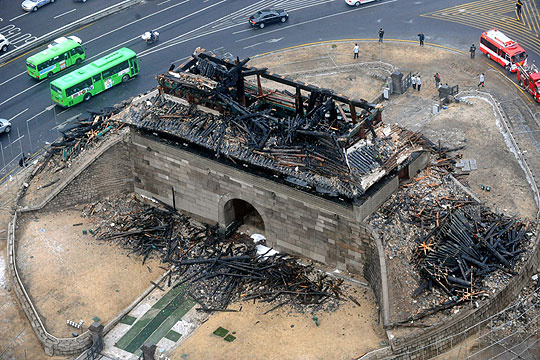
(268, 16)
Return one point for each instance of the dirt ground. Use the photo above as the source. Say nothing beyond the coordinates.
(17, 339)
(285, 334)
(70, 275)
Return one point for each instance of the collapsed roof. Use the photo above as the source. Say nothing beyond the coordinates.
(314, 139)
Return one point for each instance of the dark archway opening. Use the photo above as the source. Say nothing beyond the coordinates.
(241, 213)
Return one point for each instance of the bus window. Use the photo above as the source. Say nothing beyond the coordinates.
(56, 89)
(96, 78)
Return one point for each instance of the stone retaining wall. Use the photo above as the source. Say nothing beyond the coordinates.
(106, 172)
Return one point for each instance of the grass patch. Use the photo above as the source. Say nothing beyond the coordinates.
(221, 332)
(173, 336)
(128, 320)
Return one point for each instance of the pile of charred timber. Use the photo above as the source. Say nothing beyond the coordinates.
(312, 137)
(469, 244)
(86, 131)
(214, 270)
(447, 248)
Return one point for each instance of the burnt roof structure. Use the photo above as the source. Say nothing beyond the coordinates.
(313, 138)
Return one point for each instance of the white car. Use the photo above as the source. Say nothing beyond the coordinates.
(4, 43)
(33, 5)
(5, 126)
(358, 2)
(64, 38)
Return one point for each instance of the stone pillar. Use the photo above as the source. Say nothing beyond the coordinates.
(396, 82)
(96, 330)
(149, 351)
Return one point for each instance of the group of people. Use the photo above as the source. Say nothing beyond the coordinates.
(416, 80)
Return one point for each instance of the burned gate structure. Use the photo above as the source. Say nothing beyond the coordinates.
(311, 163)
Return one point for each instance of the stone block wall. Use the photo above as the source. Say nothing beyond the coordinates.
(295, 221)
(110, 173)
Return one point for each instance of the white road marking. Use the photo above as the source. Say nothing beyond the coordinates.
(14, 116)
(253, 45)
(13, 77)
(63, 124)
(135, 21)
(146, 52)
(63, 111)
(39, 113)
(20, 93)
(221, 24)
(20, 16)
(181, 59)
(163, 2)
(118, 45)
(313, 20)
(67, 12)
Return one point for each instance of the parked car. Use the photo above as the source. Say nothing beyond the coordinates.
(64, 38)
(4, 43)
(268, 16)
(5, 126)
(33, 5)
(358, 2)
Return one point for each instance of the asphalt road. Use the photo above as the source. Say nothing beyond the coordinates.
(221, 26)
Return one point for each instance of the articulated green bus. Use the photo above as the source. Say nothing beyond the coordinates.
(54, 59)
(100, 75)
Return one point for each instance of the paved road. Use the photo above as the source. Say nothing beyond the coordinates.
(221, 26)
(21, 27)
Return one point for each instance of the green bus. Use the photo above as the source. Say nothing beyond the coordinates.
(100, 75)
(54, 59)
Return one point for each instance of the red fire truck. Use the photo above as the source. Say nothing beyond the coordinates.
(501, 49)
(529, 78)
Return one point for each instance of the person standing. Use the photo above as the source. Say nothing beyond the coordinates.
(421, 37)
(437, 79)
(418, 82)
(508, 69)
(381, 34)
(356, 51)
(519, 4)
(473, 51)
(413, 81)
(482, 78)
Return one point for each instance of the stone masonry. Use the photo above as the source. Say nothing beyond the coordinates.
(295, 221)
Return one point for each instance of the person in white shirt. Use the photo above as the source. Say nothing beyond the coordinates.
(356, 51)
(481, 80)
(418, 82)
(413, 81)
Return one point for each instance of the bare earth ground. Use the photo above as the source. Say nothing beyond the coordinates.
(17, 339)
(286, 334)
(74, 276)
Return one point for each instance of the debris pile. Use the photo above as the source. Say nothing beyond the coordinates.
(312, 139)
(443, 248)
(469, 244)
(215, 270)
(85, 132)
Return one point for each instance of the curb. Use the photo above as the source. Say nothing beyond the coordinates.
(13, 54)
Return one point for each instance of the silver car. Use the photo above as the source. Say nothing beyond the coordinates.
(33, 5)
(5, 126)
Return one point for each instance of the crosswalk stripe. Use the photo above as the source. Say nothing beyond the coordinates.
(500, 14)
